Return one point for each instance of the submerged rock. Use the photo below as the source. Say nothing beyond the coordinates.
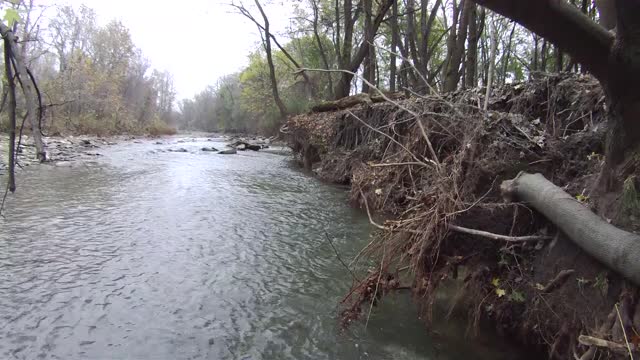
(228, 152)
(211, 149)
(181, 150)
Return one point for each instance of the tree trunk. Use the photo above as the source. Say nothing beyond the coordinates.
(344, 84)
(452, 77)
(623, 92)
(395, 34)
(369, 63)
(617, 249)
(323, 54)
(507, 56)
(559, 55)
(272, 70)
(492, 64)
(543, 56)
(472, 50)
(11, 93)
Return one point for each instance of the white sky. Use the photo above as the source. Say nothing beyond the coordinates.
(198, 41)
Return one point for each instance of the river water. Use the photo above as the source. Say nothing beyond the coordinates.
(147, 254)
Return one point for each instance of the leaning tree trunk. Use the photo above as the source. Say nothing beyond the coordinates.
(27, 88)
(617, 249)
(11, 93)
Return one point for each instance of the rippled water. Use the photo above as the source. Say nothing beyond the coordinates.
(147, 254)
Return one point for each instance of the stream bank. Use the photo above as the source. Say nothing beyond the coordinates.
(444, 173)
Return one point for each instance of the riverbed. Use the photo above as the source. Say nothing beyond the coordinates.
(146, 253)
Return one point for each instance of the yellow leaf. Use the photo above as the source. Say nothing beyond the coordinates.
(500, 292)
(378, 191)
(495, 282)
(539, 286)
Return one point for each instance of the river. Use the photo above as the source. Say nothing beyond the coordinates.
(147, 254)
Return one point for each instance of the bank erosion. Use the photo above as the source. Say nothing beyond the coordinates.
(498, 200)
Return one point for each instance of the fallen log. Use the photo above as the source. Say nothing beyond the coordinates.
(617, 249)
(344, 103)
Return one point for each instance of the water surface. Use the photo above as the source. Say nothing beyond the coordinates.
(148, 254)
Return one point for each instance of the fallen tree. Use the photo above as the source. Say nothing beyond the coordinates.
(617, 249)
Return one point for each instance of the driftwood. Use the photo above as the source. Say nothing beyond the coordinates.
(617, 249)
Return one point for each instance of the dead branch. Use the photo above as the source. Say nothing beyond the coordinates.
(340, 258)
(610, 345)
(493, 236)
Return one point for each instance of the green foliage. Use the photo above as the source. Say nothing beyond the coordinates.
(630, 196)
(517, 296)
(601, 283)
(11, 16)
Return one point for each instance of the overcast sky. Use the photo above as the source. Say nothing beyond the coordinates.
(198, 41)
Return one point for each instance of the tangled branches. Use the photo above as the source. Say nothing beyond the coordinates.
(433, 163)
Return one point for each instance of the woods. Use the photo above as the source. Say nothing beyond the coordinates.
(412, 46)
(91, 79)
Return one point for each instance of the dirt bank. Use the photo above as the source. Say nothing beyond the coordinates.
(443, 173)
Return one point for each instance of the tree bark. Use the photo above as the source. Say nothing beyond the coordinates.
(471, 65)
(492, 64)
(617, 249)
(272, 70)
(395, 34)
(507, 56)
(452, 76)
(369, 63)
(323, 54)
(11, 93)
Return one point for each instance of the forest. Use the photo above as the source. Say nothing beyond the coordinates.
(398, 46)
(92, 79)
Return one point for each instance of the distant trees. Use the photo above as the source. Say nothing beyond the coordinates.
(92, 78)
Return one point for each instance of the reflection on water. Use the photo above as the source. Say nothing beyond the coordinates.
(157, 255)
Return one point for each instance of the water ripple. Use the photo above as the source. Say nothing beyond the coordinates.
(157, 255)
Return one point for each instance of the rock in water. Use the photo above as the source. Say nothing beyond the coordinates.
(209, 149)
(228, 152)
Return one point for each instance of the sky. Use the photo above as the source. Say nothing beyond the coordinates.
(198, 41)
